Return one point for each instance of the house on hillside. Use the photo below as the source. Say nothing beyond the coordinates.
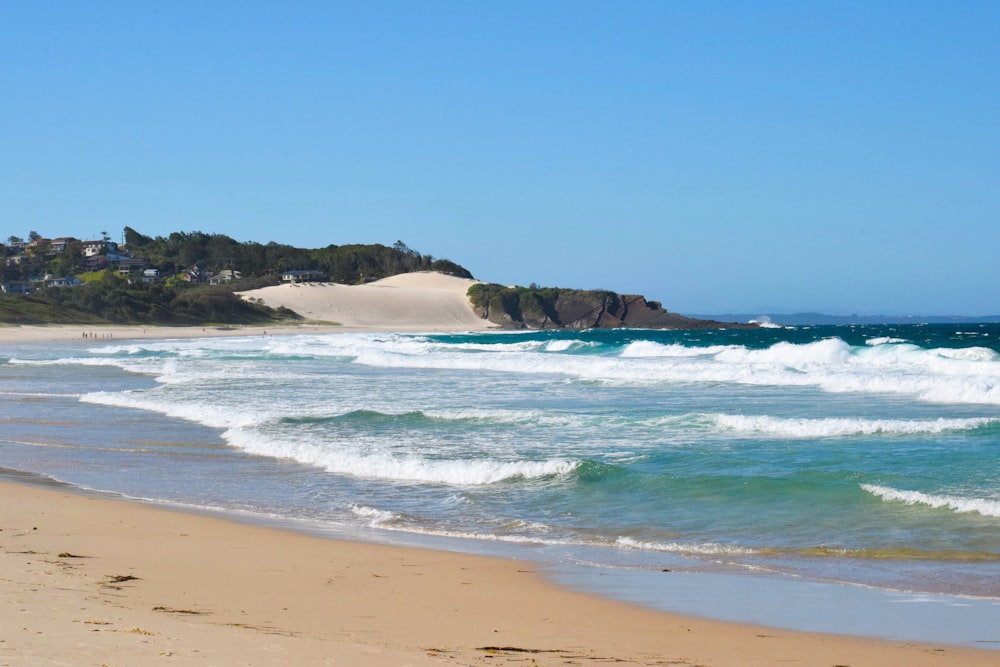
(38, 248)
(93, 248)
(302, 276)
(127, 265)
(95, 262)
(62, 281)
(195, 274)
(16, 287)
(224, 276)
(59, 245)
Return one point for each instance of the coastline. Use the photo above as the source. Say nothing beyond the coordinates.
(411, 302)
(85, 579)
(48, 333)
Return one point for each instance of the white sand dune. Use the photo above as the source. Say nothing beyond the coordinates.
(422, 301)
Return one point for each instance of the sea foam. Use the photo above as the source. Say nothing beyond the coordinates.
(846, 426)
(684, 548)
(958, 504)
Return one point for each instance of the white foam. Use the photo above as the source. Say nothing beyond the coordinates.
(209, 414)
(244, 429)
(846, 426)
(958, 504)
(764, 322)
(826, 352)
(568, 345)
(532, 417)
(37, 394)
(700, 549)
(969, 354)
(884, 340)
(376, 518)
(648, 348)
(352, 458)
(885, 365)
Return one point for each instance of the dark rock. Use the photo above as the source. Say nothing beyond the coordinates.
(556, 308)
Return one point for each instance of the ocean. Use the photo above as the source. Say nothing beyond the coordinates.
(864, 456)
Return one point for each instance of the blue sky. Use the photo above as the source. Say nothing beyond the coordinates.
(717, 156)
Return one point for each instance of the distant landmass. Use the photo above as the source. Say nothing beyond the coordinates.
(192, 279)
(806, 319)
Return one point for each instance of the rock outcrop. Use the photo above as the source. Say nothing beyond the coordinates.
(555, 308)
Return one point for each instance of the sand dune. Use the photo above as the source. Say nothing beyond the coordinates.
(412, 301)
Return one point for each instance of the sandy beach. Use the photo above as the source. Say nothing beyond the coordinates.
(94, 581)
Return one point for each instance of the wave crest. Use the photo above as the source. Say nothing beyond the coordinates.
(685, 548)
(846, 426)
(957, 504)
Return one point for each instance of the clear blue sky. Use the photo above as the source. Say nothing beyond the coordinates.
(719, 156)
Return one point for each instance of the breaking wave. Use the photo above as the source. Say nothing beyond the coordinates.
(847, 426)
(958, 504)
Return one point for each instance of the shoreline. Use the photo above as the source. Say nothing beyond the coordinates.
(50, 333)
(85, 578)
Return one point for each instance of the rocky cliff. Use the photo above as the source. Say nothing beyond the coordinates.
(556, 308)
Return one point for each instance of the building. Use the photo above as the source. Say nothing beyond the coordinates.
(16, 287)
(59, 245)
(225, 276)
(95, 262)
(93, 248)
(302, 276)
(64, 281)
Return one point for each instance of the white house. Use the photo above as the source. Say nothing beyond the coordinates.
(92, 248)
(301, 276)
(64, 281)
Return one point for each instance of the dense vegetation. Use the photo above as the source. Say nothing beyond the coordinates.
(169, 299)
(347, 264)
(114, 300)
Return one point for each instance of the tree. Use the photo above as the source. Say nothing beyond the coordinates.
(40, 249)
(34, 236)
(134, 239)
(70, 261)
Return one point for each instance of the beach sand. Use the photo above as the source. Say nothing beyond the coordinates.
(95, 581)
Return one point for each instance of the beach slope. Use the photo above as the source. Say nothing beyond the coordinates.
(94, 581)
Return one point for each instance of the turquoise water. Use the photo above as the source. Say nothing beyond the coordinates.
(865, 455)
